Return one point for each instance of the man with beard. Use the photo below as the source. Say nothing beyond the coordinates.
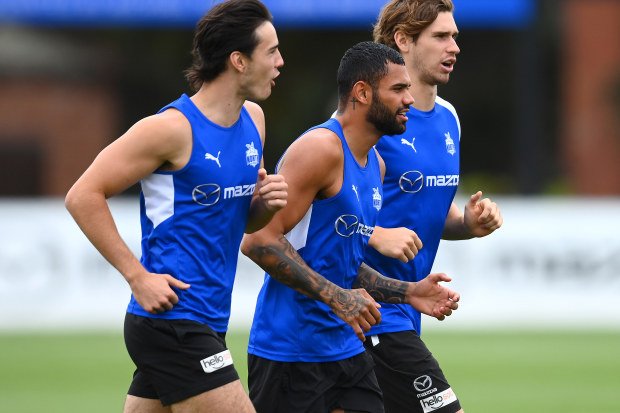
(422, 174)
(305, 349)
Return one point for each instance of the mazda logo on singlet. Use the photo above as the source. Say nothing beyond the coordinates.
(345, 225)
(411, 182)
(207, 194)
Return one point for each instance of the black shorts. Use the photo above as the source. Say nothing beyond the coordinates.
(285, 387)
(176, 359)
(409, 375)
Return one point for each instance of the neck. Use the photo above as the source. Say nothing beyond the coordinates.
(219, 101)
(359, 134)
(423, 93)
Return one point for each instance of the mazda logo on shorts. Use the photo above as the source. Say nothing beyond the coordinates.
(422, 383)
(207, 194)
(411, 182)
(345, 225)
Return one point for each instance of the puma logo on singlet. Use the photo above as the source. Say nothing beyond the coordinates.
(213, 158)
(406, 142)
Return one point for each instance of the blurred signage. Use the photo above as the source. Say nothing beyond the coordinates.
(555, 263)
(342, 14)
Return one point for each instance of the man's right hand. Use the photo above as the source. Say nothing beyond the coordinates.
(358, 309)
(153, 292)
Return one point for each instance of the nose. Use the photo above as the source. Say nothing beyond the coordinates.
(454, 48)
(279, 60)
(408, 99)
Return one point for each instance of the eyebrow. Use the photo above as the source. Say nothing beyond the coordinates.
(445, 33)
(401, 85)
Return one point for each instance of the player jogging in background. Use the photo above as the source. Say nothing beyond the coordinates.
(421, 180)
(199, 164)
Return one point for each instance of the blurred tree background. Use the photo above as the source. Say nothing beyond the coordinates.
(508, 87)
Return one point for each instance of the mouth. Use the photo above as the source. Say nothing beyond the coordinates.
(448, 64)
(273, 80)
(402, 114)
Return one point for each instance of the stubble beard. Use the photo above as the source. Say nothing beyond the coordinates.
(426, 75)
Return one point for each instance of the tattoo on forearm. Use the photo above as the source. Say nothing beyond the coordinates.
(381, 288)
(282, 262)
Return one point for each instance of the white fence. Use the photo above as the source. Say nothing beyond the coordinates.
(554, 264)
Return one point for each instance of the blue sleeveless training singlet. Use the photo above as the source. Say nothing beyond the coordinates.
(421, 179)
(193, 219)
(331, 238)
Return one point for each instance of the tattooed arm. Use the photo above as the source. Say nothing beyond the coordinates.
(312, 167)
(426, 296)
(283, 263)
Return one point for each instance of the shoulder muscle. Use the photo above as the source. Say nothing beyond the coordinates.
(257, 115)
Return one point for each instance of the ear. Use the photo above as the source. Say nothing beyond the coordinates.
(402, 41)
(238, 61)
(362, 92)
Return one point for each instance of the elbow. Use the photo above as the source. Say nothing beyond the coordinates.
(79, 199)
(254, 246)
(246, 245)
(71, 200)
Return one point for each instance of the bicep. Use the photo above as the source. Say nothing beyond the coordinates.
(310, 165)
(303, 187)
(144, 148)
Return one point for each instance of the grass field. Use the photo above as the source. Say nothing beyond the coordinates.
(531, 372)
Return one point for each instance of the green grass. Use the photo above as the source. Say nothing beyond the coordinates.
(544, 372)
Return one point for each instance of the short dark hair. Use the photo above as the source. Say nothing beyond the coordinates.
(228, 27)
(367, 62)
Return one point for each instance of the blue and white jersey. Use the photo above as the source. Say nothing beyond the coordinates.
(331, 238)
(421, 179)
(193, 219)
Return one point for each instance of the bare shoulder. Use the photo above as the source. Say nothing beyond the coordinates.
(315, 158)
(381, 163)
(166, 136)
(319, 146)
(161, 141)
(257, 115)
(170, 124)
(254, 109)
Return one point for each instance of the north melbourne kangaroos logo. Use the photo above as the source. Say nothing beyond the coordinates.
(449, 144)
(376, 198)
(251, 155)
